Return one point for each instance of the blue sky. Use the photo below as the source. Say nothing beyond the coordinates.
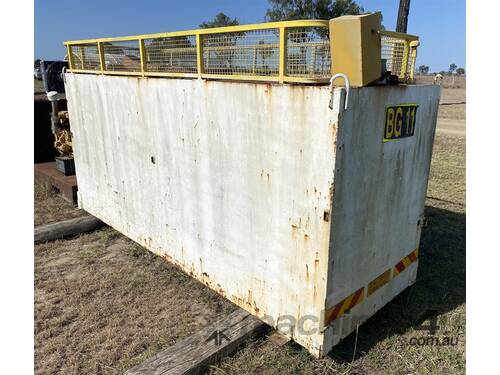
(440, 24)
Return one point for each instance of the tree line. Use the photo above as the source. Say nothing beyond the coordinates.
(452, 69)
(288, 10)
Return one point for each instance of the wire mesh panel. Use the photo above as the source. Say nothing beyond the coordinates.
(308, 52)
(242, 52)
(171, 54)
(85, 56)
(122, 56)
(393, 51)
(252, 53)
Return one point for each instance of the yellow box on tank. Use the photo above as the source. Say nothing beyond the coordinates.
(355, 44)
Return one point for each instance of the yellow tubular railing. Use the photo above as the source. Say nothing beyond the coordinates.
(290, 51)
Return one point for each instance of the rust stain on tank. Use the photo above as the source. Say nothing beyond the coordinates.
(333, 126)
(248, 303)
(332, 192)
(221, 290)
(245, 304)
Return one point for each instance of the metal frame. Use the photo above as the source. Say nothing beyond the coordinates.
(281, 77)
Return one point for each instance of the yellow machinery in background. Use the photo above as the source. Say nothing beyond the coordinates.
(63, 142)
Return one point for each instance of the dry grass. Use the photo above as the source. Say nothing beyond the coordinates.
(103, 304)
(50, 207)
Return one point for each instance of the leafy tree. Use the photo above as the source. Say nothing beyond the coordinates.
(423, 69)
(452, 68)
(285, 10)
(460, 71)
(220, 20)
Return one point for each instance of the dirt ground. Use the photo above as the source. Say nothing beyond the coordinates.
(452, 104)
(452, 112)
(104, 304)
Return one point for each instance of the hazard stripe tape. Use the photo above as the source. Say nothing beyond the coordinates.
(358, 296)
(348, 303)
(378, 282)
(406, 262)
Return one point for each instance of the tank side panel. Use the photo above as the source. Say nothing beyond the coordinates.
(231, 181)
(380, 190)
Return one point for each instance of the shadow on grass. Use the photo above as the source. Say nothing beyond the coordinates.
(440, 286)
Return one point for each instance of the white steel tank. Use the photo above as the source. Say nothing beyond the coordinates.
(304, 215)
